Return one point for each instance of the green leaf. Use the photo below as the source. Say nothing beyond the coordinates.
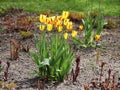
(79, 42)
(43, 63)
(91, 40)
(35, 57)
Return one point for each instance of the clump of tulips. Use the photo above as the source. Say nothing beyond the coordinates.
(53, 58)
(59, 23)
(62, 23)
(89, 32)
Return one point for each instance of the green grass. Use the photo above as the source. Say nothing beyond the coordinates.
(108, 7)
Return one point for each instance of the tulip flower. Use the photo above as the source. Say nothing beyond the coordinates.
(69, 26)
(56, 23)
(52, 19)
(66, 21)
(60, 28)
(81, 27)
(59, 18)
(47, 21)
(97, 37)
(49, 27)
(65, 14)
(59, 23)
(66, 35)
(74, 33)
(42, 18)
(42, 27)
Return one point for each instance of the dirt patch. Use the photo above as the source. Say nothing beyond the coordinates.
(20, 71)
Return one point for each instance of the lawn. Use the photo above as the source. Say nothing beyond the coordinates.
(108, 7)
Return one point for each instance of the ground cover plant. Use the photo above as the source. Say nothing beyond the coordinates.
(39, 48)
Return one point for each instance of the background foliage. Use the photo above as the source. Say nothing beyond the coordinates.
(109, 7)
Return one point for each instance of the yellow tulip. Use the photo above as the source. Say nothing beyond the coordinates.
(70, 23)
(66, 35)
(74, 33)
(42, 18)
(52, 19)
(49, 27)
(59, 18)
(81, 27)
(66, 21)
(97, 37)
(47, 21)
(65, 14)
(59, 22)
(42, 27)
(69, 26)
(60, 28)
(55, 23)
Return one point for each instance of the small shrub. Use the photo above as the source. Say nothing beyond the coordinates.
(21, 23)
(25, 34)
(76, 72)
(14, 47)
